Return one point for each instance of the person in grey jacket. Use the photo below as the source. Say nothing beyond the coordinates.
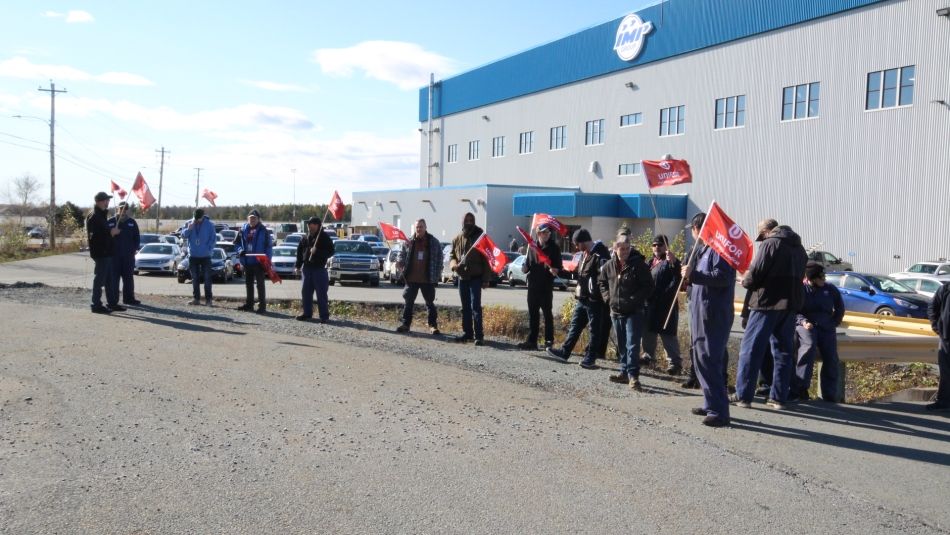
(422, 273)
(201, 238)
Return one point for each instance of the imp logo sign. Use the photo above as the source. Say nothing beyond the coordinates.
(631, 36)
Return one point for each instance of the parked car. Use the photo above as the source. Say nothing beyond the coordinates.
(145, 239)
(169, 238)
(922, 283)
(231, 250)
(830, 261)
(933, 267)
(877, 294)
(447, 274)
(157, 258)
(222, 270)
(292, 240)
(515, 276)
(371, 239)
(382, 253)
(228, 234)
(353, 261)
(286, 229)
(37, 233)
(284, 258)
(218, 227)
(395, 263)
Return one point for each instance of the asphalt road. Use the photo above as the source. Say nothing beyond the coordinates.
(176, 419)
(75, 271)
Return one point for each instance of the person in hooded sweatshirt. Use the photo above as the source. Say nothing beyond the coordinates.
(816, 330)
(775, 281)
(473, 272)
(201, 238)
(625, 284)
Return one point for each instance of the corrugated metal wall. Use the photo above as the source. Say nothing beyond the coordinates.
(870, 185)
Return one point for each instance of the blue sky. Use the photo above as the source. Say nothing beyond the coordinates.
(246, 90)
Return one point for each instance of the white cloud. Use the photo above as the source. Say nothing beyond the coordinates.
(77, 16)
(407, 65)
(74, 16)
(275, 86)
(20, 67)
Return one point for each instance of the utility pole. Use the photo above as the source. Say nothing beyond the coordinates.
(294, 205)
(52, 160)
(161, 172)
(198, 185)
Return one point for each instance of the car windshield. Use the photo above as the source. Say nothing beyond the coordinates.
(923, 268)
(227, 247)
(156, 248)
(889, 285)
(355, 247)
(293, 238)
(284, 251)
(148, 238)
(218, 254)
(380, 250)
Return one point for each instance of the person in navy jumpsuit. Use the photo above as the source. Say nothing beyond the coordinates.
(126, 245)
(711, 313)
(815, 329)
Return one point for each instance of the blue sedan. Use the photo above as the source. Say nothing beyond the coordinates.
(877, 294)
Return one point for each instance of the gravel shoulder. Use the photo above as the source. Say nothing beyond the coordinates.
(177, 419)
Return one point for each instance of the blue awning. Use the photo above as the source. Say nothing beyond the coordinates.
(577, 204)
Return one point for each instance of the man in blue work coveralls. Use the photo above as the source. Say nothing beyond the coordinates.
(126, 245)
(815, 329)
(712, 291)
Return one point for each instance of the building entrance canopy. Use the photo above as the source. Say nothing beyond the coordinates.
(577, 204)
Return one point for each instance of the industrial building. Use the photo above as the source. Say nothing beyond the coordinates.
(832, 116)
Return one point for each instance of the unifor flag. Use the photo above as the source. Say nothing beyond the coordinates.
(496, 258)
(210, 195)
(336, 207)
(268, 267)
(117, 189)
(727, 238)
(543, 258)
(550, 221)
(392, 233)
(671, 172)
(140, 189)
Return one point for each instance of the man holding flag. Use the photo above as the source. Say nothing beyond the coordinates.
(313, 251)
(775, 281)
(473, 273)
(712, 290)
(253, 241)
(542, 265)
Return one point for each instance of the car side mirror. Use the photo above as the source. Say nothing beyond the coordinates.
(868, 290)
(836, 261)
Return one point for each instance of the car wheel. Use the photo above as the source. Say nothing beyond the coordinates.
(885, 311)
(181, 279)
(332, 282)
(374, 283)
(511, 282)
(135, 272)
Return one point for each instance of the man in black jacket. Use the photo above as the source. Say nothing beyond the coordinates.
(312, 254)
(775, 282)
(588, 301)
(101, 249)
(939, 313)
(126, 245)
(625, 284)
(540, 279)
(665, 269)
(473, 272)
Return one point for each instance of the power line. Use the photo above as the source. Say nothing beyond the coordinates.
(22, 146)
(24, 139)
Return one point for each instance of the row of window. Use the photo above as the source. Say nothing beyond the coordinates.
(885, 89)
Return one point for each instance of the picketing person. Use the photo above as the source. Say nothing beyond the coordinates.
(473, 274)
(665, 269)
(816, 332)
(126, 245)
(252, 240)
(313, 251)
(541, 271)
(201, 238)
(101, 241)
(422, 273)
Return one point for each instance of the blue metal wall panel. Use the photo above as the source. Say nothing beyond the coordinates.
(639, 206)
(574, 204)
(680, 26)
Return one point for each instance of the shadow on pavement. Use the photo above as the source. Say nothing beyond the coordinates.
(183, 325)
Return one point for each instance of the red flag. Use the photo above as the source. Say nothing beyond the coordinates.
(392, 233)
(118, 189)
(661, 173)
(550, 221)
(140, 189)
(210, 195)
(727, 238)
(268, 267)
(543, 258)
(496, 258)
(336, 207)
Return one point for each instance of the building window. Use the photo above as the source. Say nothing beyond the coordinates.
(595, 133)
(730, 112)
(800, 101)
(526, 143)
(890, 88)
(558, 137)
(628, 169)
(453, 153)
(632, 119)
(498, 147)
(673, 121)
(473, 150)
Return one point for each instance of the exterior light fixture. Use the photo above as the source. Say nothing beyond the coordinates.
(944, 12)
(631, 85)
(486, 118)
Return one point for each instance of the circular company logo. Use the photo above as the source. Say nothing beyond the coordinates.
(630, 36)
(665, 165)
(735, 232)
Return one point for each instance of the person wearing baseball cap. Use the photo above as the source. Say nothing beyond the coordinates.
(665, 269)
(540, 277)
(126, 245)
(253, 239)
(313, 251)
(101, 249)
(816, 327)
(201, 238)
